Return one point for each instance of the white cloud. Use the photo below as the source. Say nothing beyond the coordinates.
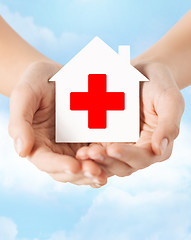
(15, 171)
(58, 235)
(152, 204)
(146, 215)
(59, 48)
(8, 229)
(19, 175)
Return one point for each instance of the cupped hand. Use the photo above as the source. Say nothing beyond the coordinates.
(162, 106)
(32, 126)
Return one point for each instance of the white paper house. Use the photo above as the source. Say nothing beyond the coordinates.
(96, 60)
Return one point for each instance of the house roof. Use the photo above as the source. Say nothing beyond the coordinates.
(97, 52)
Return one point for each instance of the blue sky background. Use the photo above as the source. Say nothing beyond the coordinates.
(152, 204)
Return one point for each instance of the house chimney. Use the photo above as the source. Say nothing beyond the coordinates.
(124, 52)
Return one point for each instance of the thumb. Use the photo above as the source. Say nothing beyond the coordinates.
(22, 109)
(169, 108)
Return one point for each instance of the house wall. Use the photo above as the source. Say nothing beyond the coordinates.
(130, 120)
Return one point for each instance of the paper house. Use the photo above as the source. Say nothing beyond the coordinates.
(97, 96)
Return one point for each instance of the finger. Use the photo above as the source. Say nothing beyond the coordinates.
(22, 109)
(169, 108)
(136, 157)
(97, 153)
(112, 165)
(82, 153)
(90, 168)
(66, 177)
(50, 162)
(97, 181)
(80, 179)
(96, 185)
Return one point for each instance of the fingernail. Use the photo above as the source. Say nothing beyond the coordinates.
(18, 146)
(100, 158)
(164, 145)
(115, 155)
(96, 181)
(88, 174)
(68, 172)
(98, 185)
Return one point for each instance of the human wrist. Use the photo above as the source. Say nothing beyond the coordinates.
(41, 70)
(43, 65)
(151, 66)
(150, 58)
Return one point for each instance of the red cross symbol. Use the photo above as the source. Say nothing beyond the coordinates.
(97, 101)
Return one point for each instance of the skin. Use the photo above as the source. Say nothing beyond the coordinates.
(167, 65)
(24, 75)
(32, 126)
(162, 106)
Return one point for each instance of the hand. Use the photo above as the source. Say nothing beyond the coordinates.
(32, 126)
(162, 106)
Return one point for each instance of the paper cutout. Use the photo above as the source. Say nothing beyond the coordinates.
(97, 96)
